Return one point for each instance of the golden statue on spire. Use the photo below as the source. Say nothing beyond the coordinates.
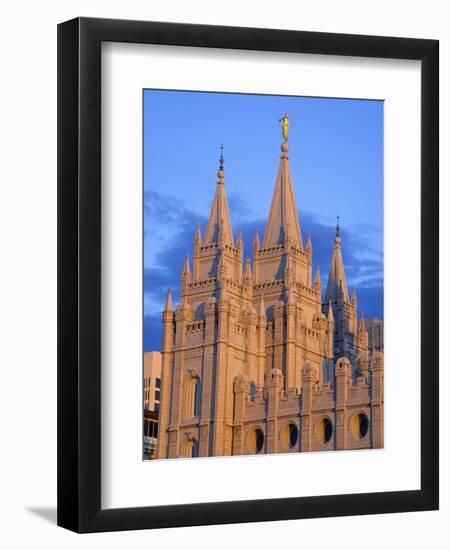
(285, 127)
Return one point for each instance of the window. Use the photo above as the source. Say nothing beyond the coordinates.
(324, 430)
(255, 441)
(150, 428)
(156, 407)
(157, 395)
(259, 441)
(252, 391)
(158, 382)
(289, 436)
(359, 426)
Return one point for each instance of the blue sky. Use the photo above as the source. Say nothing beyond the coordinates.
(336, 152)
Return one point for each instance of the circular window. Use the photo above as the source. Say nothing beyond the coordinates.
(324, 430)
(289, 435)
(359, 426)
(255, 441)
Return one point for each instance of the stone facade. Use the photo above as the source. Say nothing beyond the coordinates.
(257, 358)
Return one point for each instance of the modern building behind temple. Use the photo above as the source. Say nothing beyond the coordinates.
(258, 357)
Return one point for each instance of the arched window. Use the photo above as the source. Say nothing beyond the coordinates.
(192, 396)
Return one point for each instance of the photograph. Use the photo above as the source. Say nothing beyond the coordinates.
(263, 282)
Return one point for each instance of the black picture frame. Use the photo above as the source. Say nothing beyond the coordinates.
(79, 274)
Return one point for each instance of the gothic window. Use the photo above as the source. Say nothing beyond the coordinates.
(192, 397)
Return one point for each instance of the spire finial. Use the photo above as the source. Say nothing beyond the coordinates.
(221, 171)
(221, 160)
(338, 227)
(285, 127)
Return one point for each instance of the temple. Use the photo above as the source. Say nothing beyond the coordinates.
(256, 358)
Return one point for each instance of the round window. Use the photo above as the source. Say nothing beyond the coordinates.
(359, 426)
(289, 436)
(324, 430)
(255, 441)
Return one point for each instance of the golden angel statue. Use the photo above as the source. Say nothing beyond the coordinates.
(285, 127)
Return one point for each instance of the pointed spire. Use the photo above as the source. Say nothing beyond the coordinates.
(187, 267)
(262, 307)
(337, 282)
(198, 236)
(354, 299)
(248, 270)
(330, 316)
(169, 302)
(283, 211)
(219, 218)
(240, 242)
(317, 279)
(362, 324)
(221, 269)
(256, 244)
(309, 244)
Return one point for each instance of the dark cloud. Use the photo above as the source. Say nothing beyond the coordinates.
(153, 332)
(363, 263)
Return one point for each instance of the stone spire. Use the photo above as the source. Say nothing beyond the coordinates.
(362, 324)
(219, 219)
(240, 242)
(187, 267)
(317, 279)
(337, 283)
(283, 211)
(198, 236)
(169, 302)
(262, 307)
(256, 240)
(330, 317)
(248, 271)
(309, 245)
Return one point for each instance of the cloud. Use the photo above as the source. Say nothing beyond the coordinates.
(153, 332)
(363, 261)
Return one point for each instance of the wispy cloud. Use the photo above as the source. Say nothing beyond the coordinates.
(170, 228)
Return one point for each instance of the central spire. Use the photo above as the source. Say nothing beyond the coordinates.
(283, 211)
(219, 224)
(337, 282)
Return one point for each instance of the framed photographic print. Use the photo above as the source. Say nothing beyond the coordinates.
(248, 275)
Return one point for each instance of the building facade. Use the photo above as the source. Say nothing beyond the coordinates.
(151, 401)
(258, 357)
